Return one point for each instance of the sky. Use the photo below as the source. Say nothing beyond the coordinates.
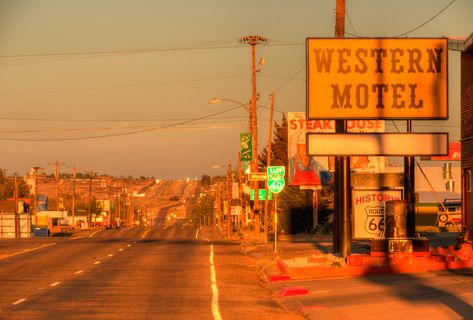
(121, 87)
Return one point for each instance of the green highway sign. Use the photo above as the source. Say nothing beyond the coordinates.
(276, 170)
(276, 181)
(261, 195)
(276, 186)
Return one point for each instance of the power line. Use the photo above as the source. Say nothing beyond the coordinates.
(135, 51)
(115, 120)
(122, 87)
(409, 31)
(123, 133)
(423, 24)
(289, 80)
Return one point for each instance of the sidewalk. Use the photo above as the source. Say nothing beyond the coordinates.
(306, 256)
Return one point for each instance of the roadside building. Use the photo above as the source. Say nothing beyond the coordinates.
(466, 48)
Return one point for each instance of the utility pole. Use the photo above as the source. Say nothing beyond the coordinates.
(73, 196)
(89, 214)
(240, 193)
(341, 241)
(35, 199)
(15, 197)
(219, 205)
(268, 163)
(254, 40)
(56, 178)
(229, 201)
(132, 211)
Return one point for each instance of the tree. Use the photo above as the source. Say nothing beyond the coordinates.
(7, 187)
(295, 205)
(205, 180)
(203, 208)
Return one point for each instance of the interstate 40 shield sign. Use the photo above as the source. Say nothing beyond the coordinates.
(369, 214)
(276, 178)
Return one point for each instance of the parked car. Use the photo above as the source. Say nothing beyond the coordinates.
(450, 212)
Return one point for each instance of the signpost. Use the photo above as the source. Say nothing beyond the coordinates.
(378, 144)
(369, 212)
(276, 184)
(375, 78)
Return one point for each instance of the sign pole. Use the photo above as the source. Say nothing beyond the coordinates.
(268, 163)
(340, 162)
(275, 222)
(409, 189)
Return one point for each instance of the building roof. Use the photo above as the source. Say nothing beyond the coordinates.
(461, 44)
(433, 179)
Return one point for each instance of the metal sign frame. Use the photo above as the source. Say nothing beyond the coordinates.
(377, 43)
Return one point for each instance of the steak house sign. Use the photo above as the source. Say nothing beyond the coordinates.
(377, 78)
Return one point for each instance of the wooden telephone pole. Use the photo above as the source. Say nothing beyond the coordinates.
(89, 214)
(56, 178)
(73, 196)
(15, 197)
(254, 40)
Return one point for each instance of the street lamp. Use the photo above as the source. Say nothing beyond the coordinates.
(252, 127)
(217, 101)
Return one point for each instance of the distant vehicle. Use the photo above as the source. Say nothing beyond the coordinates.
(450, 213)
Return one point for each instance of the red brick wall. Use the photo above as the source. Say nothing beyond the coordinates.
(467, 126)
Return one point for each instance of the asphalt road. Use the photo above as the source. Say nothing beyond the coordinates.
(169, 271)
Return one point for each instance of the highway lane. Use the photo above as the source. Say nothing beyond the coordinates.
(169, 271)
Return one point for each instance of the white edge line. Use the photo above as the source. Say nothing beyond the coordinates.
(93, 233)
(19, 301)
(27, 250)
(197, 234)
(213, 284)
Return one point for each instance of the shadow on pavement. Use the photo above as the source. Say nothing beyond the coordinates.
(414, 290)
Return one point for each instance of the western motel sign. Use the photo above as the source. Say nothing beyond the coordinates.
(377, 78)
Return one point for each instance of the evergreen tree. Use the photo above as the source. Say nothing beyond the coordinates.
(295, 205)
(7, 186)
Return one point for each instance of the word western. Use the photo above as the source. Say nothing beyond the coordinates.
(417, 61)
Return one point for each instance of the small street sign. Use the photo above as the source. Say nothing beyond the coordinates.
(257, 176)
(261, 195)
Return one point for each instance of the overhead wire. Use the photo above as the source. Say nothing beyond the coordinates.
(122, 87)
(407, 32)
(122, 133)
(134, 51)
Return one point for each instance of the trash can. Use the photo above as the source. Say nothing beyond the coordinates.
(40, 232)
(396, 219)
